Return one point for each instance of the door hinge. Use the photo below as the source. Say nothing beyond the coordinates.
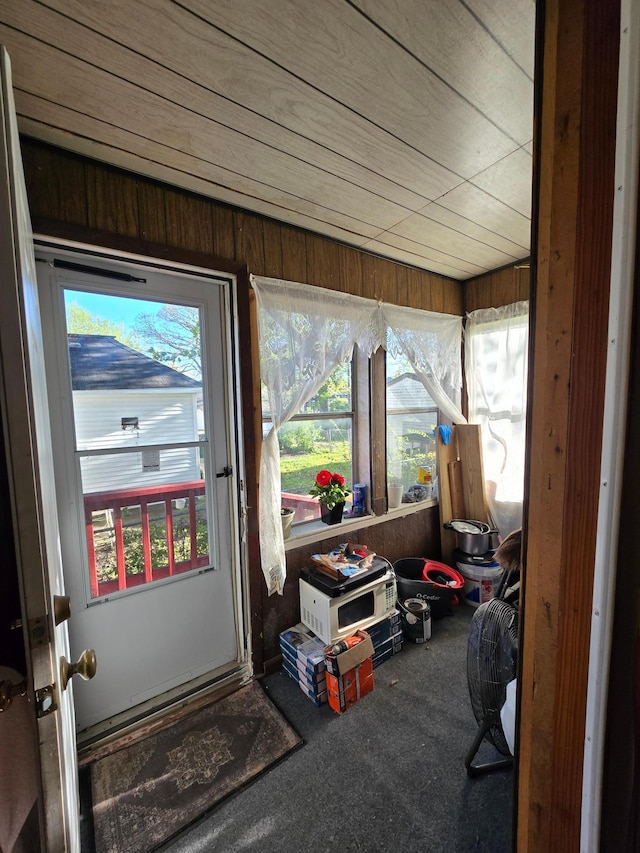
(45, 701)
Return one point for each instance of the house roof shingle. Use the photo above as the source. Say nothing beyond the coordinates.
(101, 363)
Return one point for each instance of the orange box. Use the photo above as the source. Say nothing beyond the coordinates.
(345, 686)
(343, 691)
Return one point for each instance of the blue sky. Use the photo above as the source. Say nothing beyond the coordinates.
(119, 309)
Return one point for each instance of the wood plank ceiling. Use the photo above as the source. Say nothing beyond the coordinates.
(403, 127)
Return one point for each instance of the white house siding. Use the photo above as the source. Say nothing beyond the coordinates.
(164, 417)
(407, 402)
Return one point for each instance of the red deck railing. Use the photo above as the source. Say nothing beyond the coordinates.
(114, 502)
(306, 507)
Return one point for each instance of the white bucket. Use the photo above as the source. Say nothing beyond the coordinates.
(481, 583)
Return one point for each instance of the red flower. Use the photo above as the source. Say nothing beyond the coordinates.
(323, 478)
(329, 488)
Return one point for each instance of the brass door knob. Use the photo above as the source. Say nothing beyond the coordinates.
(85, 667)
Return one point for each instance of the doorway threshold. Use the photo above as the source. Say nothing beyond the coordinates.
(158, 713)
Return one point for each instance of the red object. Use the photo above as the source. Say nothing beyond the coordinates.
(343, 691)
(337, 478)
(347, 643)
(142, 497)
(323, 478)
(440, 574)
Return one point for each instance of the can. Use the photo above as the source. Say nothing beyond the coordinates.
(415, 618)
(425, 475)
(359, 505)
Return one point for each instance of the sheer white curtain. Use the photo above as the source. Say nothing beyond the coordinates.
(432, 344)
(496, 347)
(305, 333)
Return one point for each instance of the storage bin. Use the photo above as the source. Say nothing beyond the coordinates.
(481, 580)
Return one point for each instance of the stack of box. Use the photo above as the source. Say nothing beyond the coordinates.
(303, 660)
(387, 638)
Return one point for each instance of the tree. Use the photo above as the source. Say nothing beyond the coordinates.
(173, 336)
(335, 393)
(83, 322)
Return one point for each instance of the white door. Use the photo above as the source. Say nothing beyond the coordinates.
(23, 400)
(146, 473)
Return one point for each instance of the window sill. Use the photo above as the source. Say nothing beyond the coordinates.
(316, 531)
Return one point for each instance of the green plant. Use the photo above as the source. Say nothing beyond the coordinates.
(297, 438)
(330, 489)
(107, 568)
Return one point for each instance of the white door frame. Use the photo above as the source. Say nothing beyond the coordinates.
(209, 683)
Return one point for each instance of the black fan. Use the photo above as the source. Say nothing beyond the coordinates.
(492, 651)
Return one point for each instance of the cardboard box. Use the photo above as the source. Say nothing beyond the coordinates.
(318, 697)
(345, 690)
(302, 644)
(350, 674)
(312, 689)
(314, 681)
(381, 631)
(387, 649)
(303, 661)
(342, 663)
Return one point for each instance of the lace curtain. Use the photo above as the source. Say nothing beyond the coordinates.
(305, 333)
(496, 348)
(432, 344)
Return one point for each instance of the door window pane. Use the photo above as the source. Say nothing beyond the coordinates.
(139, 437)
(140, 535)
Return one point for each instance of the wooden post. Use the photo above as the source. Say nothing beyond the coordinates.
(572, 261)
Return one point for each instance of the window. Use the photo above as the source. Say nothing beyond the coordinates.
(496, 354)
(320, 435)
(411, 420)
(306, 334)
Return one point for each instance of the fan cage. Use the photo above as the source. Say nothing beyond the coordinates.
(492, 652)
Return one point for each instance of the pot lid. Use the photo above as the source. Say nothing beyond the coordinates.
(463, 525)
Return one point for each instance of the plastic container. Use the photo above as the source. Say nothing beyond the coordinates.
(436, 583)
(481, 580)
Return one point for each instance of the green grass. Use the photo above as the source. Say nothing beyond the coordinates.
(299, 471)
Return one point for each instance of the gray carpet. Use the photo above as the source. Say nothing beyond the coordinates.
(388, 775)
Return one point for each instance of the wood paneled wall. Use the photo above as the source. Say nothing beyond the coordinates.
(79, 199)
(67, 189)
(501, 287)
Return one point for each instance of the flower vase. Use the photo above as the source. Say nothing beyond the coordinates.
(333, 515)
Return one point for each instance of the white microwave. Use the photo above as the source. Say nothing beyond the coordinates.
(333, 618)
